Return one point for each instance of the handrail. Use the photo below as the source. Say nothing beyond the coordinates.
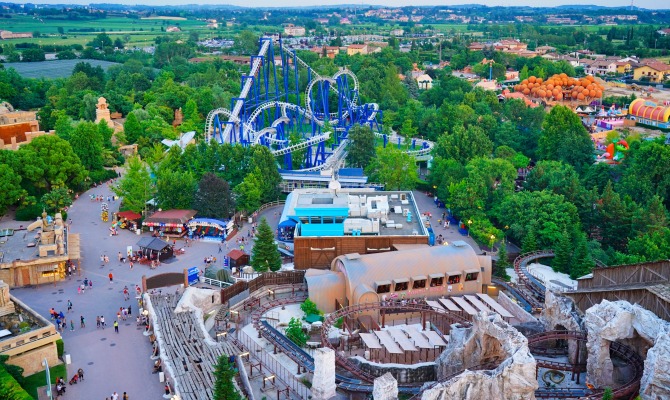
(268, 205)
(215, 282)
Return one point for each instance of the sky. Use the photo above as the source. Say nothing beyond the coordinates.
(650, 4)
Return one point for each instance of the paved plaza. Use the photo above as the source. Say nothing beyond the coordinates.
(111, 362)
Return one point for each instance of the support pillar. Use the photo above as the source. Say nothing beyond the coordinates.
(385, 388)
(323, 382)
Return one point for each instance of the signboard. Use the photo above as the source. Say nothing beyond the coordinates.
(193, 273)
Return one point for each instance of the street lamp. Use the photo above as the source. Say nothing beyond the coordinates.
(469, 223)
(48, 373)
(492, 239)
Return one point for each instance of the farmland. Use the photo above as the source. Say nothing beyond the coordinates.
(53, 69)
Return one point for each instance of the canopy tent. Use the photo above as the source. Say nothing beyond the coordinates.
(152, 248)
(128, 219)
(131, 215)
(170, 221)
(210, 228)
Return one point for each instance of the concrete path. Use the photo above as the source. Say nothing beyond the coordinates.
(450, 234)
(111, 362)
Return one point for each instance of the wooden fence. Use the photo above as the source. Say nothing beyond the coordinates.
(266, 279)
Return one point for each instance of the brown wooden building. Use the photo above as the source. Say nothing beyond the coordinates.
(646, 284)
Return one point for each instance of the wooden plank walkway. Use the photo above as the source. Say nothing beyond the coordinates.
(182, 346)
(495, 305)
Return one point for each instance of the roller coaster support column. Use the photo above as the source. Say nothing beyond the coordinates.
(423, 321)
(579, 350)
(399, 142)
(383, 319)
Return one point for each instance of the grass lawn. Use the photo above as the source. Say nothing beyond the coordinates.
(39, 379)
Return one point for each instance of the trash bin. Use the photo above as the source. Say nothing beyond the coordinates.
(251, 220)
(161, 377)
(68, 360)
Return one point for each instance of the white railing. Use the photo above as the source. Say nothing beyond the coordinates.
(215, 282)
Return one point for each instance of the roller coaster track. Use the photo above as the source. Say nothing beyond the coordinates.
(528, 282)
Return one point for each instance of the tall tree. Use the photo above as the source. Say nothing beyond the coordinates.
(464, 144)
(564, 138)
(394, 168)
(562, 254)
(270, 179)
(224, 373)
(213, 197)
(529, 242)
(10, 187)
(265, 255)
(361, 148)
(248, 192)
(57, 199)
(86, 142)
(49, 162)
(135, 187)
(132, 128)
(175, 189)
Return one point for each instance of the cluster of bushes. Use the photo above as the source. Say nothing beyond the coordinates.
(11, 378)
(32, 211)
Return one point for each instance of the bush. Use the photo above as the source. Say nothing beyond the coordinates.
(29, 212)
(309, 308)
(101, 175)
(60, 347)
(10, 388)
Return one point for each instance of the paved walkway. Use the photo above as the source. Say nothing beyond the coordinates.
(450, 234)
(111, 362)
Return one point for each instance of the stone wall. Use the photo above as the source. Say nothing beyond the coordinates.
(420, 372)
(520, 315)
(560, 311)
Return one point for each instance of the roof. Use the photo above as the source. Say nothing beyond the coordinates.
(369, 268)
(131, 215)
(170, 217)
(649, 110)
(152, 243)
(658, 66)
(236, 254)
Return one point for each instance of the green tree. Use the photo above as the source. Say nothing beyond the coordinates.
(647, 173)
(295, 333)
(582, 262)
(246, 43)
(361, 147)
(607, 394)
(10, 187)
(49, 162)
(248, 192)
(503, 261)
(408, 131)
(32, 55)
(265, 255)
(175, 189)
(135, 187)
(213, 197)
(562, 254)
(309, 308)
(86, 142)
(529, 242)
(564, 138)
(57, 199)
(106, 134)
(556, 176)
(268, 175)
(224, 374)
(464, 144)
(63, 127)
(444, 172)
(394, 168)
(132, 128)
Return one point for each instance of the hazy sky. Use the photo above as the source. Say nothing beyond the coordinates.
(652, 4)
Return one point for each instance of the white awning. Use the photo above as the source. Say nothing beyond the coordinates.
(419, 278)
(400, 280)
(382, 283)
(433, 276)
(472, 271)
(453, 273)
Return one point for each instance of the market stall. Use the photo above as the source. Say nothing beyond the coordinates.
(210, 229)
(169, 222)
(152, 249)
(127, 220)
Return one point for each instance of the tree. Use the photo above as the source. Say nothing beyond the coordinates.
(10, 187)
(66, 55)
(564, 138)
(268, 175)
(562, 254)
(556, 176)
(246, 43)
(31, 55)
(361, 147)
(63, 125)
(213, 198)
(86, 142)
(464, 144)
(607, 394)
(248, 192)
(135, 187)
(582, 262)
(265, 255)
(503, 261)
(529, 242)
(444, 172)
(224, 373)
(295, 333)
(408, 131)
(132, 128)
(394, 168)
(309, 308)
(49, 162)
(57, 199)
(175, 189)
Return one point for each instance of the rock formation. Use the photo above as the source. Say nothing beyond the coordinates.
(323, 382)
(489, 340)
(632, 325)
(655, 383)
(560, 312)
(385, 388)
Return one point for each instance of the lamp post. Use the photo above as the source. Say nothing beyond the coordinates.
(469, 223)
(48, 373)
(492, 239)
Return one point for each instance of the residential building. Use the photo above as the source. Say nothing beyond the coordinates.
(545, 49)
(601, 67)
(424, 81)
(397, 32)
(654, 71)
(5, 35)
(292, 30)
(353, 49)
(172, 29)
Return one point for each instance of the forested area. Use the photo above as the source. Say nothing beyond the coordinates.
(585, 211)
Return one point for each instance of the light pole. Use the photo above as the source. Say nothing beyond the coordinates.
(492, 239)
(48, 373)
(469, 223)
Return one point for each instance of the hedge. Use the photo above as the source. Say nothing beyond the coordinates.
(60, 347)
(10, 388)
(31, 212)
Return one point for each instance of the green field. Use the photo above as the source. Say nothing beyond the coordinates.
(53, 69)
(142, 32)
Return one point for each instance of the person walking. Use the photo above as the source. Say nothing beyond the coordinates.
(115, 396)
(69, 306)
(125, 396)
(71, 325)
(83, 323)
(131, 265)
(130, 311)
(120, 256)
(80, 373)
(116, 326)
(102, 322)
(97, 322)
(90, 284)
(126, 295)
(220, 249)
(111, 278)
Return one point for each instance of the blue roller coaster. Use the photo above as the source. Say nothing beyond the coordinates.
(289, 108)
